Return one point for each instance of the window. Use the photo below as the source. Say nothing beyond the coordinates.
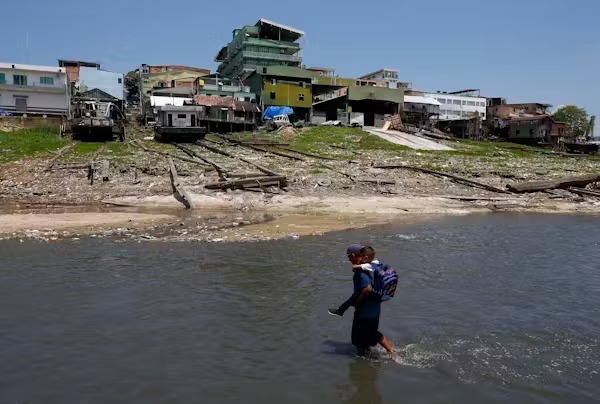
(120, 80)
(2, 78)
(456, 102)
(47, 80)
(464, 103)
(19, 80)
(301, 97)
(273, 81)
(302, 84)
(518, 132)
(181, 116)
(472, 103)
(272, 95)
(442, 100)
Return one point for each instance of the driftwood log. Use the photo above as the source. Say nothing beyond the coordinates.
(455, 178)
(565, 183)
(178, 190)
(254, 182)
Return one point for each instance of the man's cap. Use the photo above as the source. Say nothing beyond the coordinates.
(353, 249)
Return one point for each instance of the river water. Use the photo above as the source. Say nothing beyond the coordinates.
(496, 308)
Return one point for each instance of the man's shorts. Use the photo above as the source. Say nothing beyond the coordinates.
(365, 332)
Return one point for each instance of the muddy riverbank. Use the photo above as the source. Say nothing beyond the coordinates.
(332, 176)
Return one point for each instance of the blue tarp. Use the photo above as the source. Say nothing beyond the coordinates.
(270, 112)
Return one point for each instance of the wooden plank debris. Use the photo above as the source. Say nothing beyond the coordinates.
(91, 164)
(316, 156)
(105, 171)
(59, 154)
(180, 193)
(138, 143)
(376, 181)
(565, 183)
(278, 153)
(455, 178)
(224, 153)
(584, 192)
(222, 171)
(253, 182)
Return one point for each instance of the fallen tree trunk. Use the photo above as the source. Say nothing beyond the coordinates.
(455, 178)
(180, 193)
(280, 181)
(538, 186)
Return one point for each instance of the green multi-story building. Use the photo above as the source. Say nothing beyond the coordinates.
(257, 46)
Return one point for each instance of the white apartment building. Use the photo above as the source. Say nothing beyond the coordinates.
(31, 90)
(385, 78)
(461, 105)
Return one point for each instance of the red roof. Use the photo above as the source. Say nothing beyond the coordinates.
(225, 102)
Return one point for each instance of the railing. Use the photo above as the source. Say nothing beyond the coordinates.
(34, 85)
(272, 56)
(272, 43)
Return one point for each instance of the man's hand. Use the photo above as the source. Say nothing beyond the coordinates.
(363, 294)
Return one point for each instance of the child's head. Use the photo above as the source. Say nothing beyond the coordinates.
(367, 254)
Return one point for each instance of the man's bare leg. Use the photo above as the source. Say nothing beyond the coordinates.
(385, 343)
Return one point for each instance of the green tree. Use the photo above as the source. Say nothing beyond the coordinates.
(132, 85)
(576, 117)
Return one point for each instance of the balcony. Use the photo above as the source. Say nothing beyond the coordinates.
(34, 88)
(273, 43)
(272, 56)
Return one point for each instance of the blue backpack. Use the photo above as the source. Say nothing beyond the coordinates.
(385, 281)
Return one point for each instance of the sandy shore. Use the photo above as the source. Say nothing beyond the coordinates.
(289, 216)
(80, 222)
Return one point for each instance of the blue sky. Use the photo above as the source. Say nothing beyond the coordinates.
(528, 50)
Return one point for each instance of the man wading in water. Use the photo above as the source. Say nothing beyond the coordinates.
(367, 305)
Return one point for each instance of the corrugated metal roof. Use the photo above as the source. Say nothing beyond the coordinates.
(275, 24)
(418, 99)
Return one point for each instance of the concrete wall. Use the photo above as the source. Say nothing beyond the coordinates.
(358, 93)
(109, 82)
(287, 94)
(29, 122)
(525, 130)
(456, 107)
